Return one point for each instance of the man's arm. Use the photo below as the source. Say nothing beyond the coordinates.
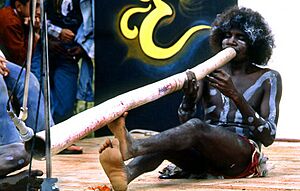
(65, 35)
(266, 121)
(192, 90)
(15, 43)
(262, 124)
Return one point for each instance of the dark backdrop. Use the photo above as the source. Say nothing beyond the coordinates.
(121, 64)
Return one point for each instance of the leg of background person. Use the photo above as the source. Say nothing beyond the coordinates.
(33, 94)
(8, 131)
(12, 152)
(13, 157)
(85, 90)
(63, 85)
(36, 63)
(64, 88)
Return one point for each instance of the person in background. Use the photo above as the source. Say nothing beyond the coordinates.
(14, 31)
(71, 38)
(13, 155)
(85, 37)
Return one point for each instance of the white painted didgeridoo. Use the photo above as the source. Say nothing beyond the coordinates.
(67, 132)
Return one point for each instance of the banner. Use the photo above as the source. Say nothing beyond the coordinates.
(142, 41)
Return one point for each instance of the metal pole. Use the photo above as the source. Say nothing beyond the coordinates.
(49, 183)
(46, 88)
(23, 111)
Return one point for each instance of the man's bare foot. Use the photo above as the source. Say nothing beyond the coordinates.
(111, 160)
(118, 128)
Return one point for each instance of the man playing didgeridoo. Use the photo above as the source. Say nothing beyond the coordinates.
(241, 108)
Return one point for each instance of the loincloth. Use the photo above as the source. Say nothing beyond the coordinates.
(258, 164)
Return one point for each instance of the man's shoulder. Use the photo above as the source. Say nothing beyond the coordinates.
(267, 70)
(7, 11)
(8, 17)
(273, 72)
(271, 75)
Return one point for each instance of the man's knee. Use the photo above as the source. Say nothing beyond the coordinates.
(195, 122)
(34, 82)
(13, 157)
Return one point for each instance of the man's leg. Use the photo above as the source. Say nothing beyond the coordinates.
(120, 174)
(111, 160)
(228, 153)
(189, 160)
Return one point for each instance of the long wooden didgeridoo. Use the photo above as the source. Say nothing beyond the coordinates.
(80, 125)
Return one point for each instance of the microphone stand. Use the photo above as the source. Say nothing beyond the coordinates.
(49, 182)
(24, 110)
(26, 133)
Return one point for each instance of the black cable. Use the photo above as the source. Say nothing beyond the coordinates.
(34, 137)
(38, 105)
(14, 87)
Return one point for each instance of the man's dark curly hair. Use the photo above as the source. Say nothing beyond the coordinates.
(13, 3)
(258, 33)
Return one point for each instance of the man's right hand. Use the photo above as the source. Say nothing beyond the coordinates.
(56, 48)
(66, 35)
(190, 87)
(3, 69)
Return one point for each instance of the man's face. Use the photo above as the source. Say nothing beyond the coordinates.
(24, 10)
(236, 39)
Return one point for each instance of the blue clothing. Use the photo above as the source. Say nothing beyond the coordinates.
(8, 131)
(85, 37)
(63, 85)
(63, 71)
(36, 61)
(85, 90)
(85, 33)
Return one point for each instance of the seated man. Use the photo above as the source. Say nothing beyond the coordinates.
(241, 109)
(13, 155)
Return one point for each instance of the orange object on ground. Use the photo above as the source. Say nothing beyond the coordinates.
(98, 188)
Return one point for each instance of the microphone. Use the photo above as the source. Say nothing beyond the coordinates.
(26, 133)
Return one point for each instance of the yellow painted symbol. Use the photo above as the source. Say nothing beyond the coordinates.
(147, 28)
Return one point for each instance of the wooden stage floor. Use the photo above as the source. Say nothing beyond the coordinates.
(78, 172)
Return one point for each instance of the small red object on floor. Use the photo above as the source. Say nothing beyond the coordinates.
(99, 188)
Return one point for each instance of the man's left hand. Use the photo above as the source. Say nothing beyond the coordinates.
(3, 69)
(76, 52)
(222, 81)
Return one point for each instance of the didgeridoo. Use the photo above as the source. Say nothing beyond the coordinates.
(80, 125)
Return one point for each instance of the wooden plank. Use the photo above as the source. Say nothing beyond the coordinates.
(78, 172)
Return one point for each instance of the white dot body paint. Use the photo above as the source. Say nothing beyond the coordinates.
(21, 161)
(260, 128)
(9, 158)
(250, 119)
(213, 92)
